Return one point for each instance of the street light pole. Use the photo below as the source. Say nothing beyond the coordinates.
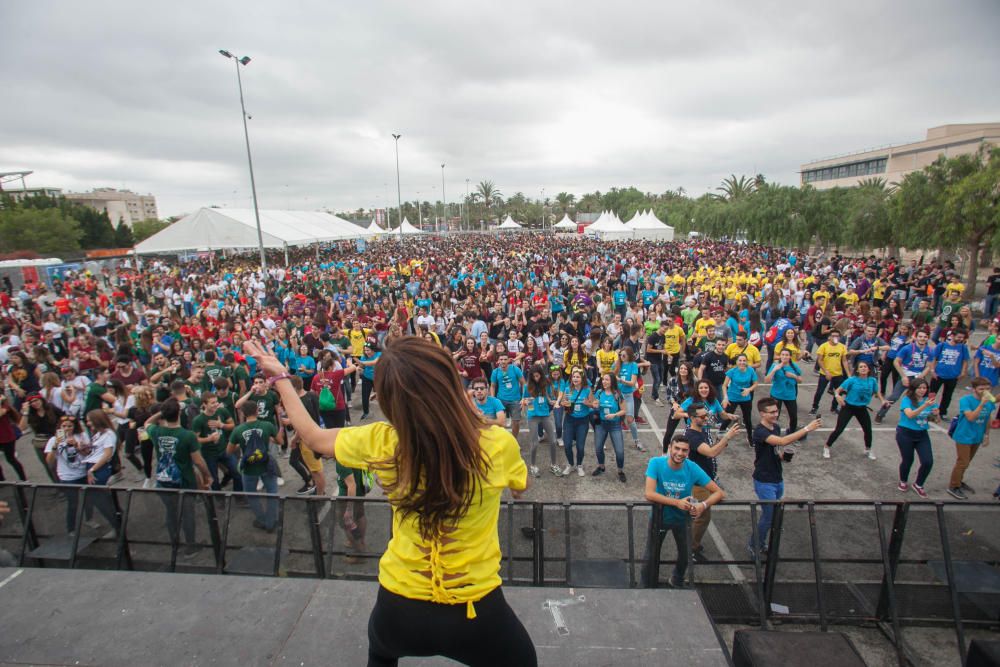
(468, 225)
(444, 200)
(543, 209)
(246, 135)
(399, 192)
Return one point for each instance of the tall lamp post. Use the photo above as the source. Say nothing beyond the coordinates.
(468, 225)
(444, 201)
(245, 60)
(399, 192)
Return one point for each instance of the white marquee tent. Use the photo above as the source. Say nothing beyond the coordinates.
(408, 228)
(510, 224)
(565, 225)
(374, 228)
(645, 225)
(608, 227)
(219, 228)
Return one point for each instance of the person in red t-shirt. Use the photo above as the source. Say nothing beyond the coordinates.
(331, 376)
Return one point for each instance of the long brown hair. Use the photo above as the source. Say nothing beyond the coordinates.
(438, 462)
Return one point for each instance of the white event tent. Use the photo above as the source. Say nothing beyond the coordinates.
(608, 227)
(510, 224)
(374, 228)
(565, 225)
(408, 228)
(645, 225)
(221, 228)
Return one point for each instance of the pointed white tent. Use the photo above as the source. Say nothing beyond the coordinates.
(650, 228)
(565, 225)
(608, 227)
(216, 228)
(408, 227)
(510, 224)
(374, 228)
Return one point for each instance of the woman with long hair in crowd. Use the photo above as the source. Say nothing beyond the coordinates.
(538, 401)
(916, 409)
(610, 406)
(440, 590)
(679, 388)
(43, 420)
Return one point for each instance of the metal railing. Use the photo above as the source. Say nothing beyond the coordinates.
(890, 564)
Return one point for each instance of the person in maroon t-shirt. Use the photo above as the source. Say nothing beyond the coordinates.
(468, 358)
(127, 372)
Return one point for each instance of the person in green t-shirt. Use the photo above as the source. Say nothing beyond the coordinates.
(212, 427)
(198, 381)
(213, 369)
(179, 465)
(236, 372)
(264, 471)
(97, 392)
(265, 400)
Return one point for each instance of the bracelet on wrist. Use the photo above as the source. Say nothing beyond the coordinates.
(275, 378)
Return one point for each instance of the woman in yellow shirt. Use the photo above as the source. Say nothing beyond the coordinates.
(439, 577)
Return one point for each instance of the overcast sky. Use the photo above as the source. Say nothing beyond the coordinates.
(572, 96)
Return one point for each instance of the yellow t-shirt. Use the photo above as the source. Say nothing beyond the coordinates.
(701, 326)
(850, 297)
(753, 354)
(792, 349)
(831, 358)
(466, 566)
(878, 289)
(606, 360)
(357, 339)
(672, 340)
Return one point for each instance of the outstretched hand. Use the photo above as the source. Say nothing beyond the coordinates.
(266, 361)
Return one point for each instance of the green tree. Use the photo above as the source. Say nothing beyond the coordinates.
(733, 188)
(565, 201)
(143, 229)
(489, 196)
(48, 231)
(123, 236)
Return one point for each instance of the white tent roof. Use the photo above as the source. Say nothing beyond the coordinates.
(565, 223)
(509, 223)
(647, 220)
(211, 228)
(375, 228)
(408, 227)
(607, 222)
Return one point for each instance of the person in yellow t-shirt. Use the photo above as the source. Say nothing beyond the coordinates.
(444, 554)
(832, 359)
(741, 346)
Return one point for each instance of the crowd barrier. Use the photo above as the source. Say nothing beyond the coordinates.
(891, 564)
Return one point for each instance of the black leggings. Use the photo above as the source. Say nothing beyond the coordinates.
(746, 407)
(859, 412)
(793, 413)
(333, 418)
(366, 394)
(888, 370)
(299, 466)
(400, 627)
(11, 454)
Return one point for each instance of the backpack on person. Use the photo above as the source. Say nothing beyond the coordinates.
(168, 473)
(327, 402)
(952, 426)
(256, 452)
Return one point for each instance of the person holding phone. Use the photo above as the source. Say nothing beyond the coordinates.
(916, 410)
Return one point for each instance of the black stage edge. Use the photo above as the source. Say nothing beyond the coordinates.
(139, 619)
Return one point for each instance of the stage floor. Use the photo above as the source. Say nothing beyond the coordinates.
(135, 619)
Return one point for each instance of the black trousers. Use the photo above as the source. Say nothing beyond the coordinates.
(949, 391)
(793, 413)
(401, 627)
(821, 386)
(848, 412)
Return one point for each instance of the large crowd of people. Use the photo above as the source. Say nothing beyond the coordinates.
(562, 340)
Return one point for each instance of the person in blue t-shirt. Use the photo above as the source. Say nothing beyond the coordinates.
(916, 409)
(618, 297)
(951, 360)
(896, 343)
(507, 384)
(539, 397)
(914, 360)
(971, 432)
(575, 399)
(853, 396)
(610, 405)
(367, 360)
(784, 377)
(490, 407)
(670, 480)
(738, 388)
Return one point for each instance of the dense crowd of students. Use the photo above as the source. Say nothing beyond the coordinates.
(567, 337)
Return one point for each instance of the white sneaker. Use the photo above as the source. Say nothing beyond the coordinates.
(281, 481)
(658, 402)
(826, 452)
(567, 470)
(579, 471)
(870, 454)
(556, 470)
(260, 485)
(147, 483)
(534, 471)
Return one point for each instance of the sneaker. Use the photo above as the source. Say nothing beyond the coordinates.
(621, 476)
(956, 492)
(364, 416)
(579, 471)
(879, 417)
(903, 486)
(920, 491)
(826, 452)
(639, 446)
(870, 454)
(967, 488)
(147, 483)
(534, 471)
(658, 402)
(641, 420)
(281, 481)
(812, 412)
(597, 471)
(698, 555)
(676, 583)
(306, 490)
(567, 470)
(260, 485)
(556, 470)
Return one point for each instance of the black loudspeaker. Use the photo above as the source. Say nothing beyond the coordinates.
(983, 653)
(764, 648)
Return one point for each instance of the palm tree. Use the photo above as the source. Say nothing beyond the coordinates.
(735, 188)
(488, 193)
(565, 200)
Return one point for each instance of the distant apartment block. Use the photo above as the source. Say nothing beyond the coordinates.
(892, 163)
(120, 205)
